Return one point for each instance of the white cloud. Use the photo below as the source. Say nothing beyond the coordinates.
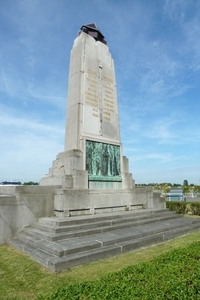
(175, 10)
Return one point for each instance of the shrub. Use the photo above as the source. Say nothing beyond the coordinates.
(184, 207)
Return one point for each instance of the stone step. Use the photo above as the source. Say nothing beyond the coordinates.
(69, 246)
(57, 221)
(64, 262)
(53, 237)
(64, 232)
(58, 227)
(79, 244)
(58, 249)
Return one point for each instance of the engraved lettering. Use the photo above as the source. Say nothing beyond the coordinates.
(95, 115)
(92, 72)
(107, 79)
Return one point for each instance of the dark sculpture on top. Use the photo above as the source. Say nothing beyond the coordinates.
(93, 31)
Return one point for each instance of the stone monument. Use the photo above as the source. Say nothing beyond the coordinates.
(93, 151)
(92, 158)
(89, 177)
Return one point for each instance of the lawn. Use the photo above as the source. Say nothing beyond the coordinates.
(172, 266)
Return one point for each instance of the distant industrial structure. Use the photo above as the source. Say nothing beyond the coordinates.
(5, 182)
(176, 195)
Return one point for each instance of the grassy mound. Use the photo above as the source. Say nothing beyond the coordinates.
(174, 275)
(166, 271)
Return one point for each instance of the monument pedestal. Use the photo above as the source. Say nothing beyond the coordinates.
(67, 172)
(68, 202)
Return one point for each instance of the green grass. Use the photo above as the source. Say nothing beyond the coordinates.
(21, 278)
(174, 275)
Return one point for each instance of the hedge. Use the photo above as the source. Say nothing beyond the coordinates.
(192, 208)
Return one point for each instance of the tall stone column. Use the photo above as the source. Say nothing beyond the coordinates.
(93, 150)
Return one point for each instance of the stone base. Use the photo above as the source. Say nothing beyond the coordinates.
(69, 202)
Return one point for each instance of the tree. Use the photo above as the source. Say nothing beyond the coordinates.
(185, 183)
(30, 183)
(197, 188)
(186, 189)
(166, 188)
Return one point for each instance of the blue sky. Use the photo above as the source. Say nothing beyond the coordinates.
(156, 48)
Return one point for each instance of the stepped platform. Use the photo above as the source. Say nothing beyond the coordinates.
(62, 243)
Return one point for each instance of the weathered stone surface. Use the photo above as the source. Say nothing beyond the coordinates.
(27, 205)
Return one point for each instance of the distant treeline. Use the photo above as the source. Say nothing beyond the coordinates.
(164, 183)
(30, 183)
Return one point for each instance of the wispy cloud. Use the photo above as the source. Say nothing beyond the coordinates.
(8, 120)
(161, 158)
(162, 57)
(175, 10)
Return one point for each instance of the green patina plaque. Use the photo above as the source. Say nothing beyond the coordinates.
(103, 161)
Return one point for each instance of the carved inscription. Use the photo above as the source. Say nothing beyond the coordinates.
(108, 100)
(92, 93)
